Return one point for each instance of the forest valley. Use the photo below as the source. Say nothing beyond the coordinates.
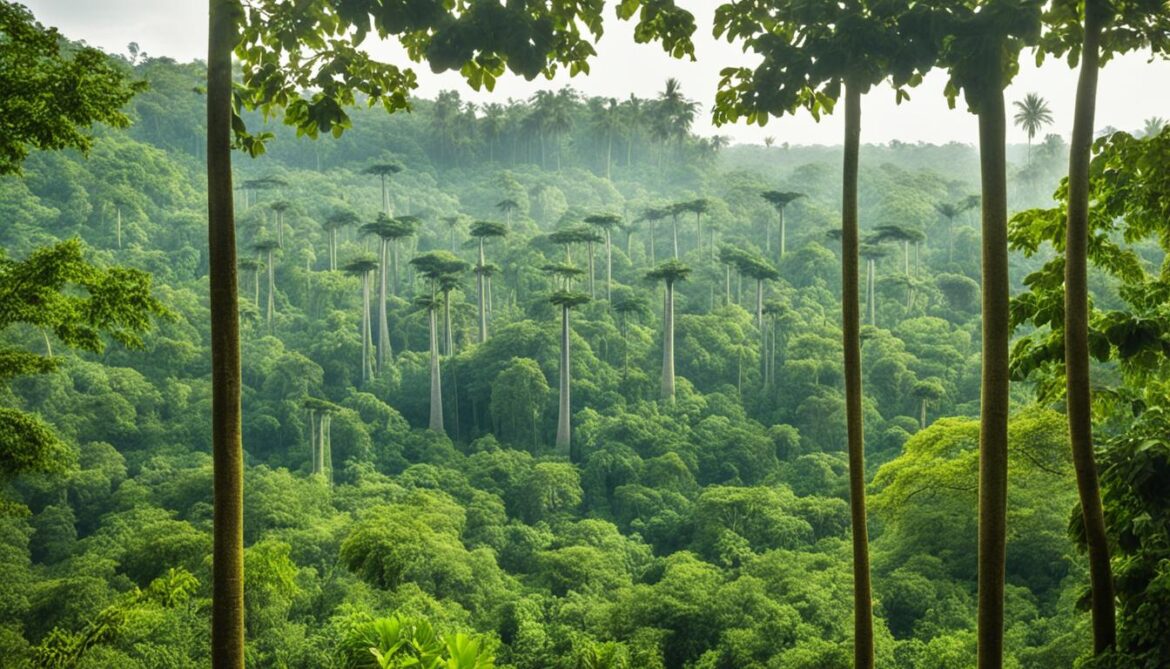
(556, 383)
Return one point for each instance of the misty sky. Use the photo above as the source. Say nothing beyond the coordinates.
(1131, 88)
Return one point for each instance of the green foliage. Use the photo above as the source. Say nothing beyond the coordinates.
(54, 90)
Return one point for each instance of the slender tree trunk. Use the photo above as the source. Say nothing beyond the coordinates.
(333, 249)
(993, 419)
(256, 286)
(653, 255)
(922, 414)
(481, 290)
(699, 233)
(436, 424)
(118, 225)
(394, 267)
(367, 335)
(271, 308)
(563, 427)
(863, 642)
(312, 441)
(609, 156)
(327, 448)
(783, 234)
(1076, 326)
(727, 285)
(448, 335)
(668, 344)
(227, 575)
(608, 266)
(592, 272)
(384, 351)
(319, 461)
(760, 305)
(385, 197)
(674, 234)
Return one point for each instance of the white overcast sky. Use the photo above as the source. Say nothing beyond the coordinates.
(1131, 90)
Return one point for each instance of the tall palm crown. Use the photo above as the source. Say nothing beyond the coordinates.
(1032, 114)
(669, 272)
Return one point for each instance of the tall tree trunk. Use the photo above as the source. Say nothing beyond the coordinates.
(993, 419)
(384, 351)
(674, 234)
(563, 427)
(367, 334)
(313, 441)
(448, 336)
(332, 249)
(481, 290)
(227, 575)
(319, 459)
(727, 285)
(271, 308)
(592, 273)
(385, 197)
(1076, 338)
(394, 267)
(863, 642)
(609, 156)
(922, 414)
(436, 424)
(653, 255)
(783, 234)
(327, 448)
(118, 225)
(699, 233)
(608, 266)
(668, 344)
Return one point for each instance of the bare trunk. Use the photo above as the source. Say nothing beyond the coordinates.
(592, 272)
(608, 266)
(783, 234)
(1076, 325)
(668, 345)
(312, 441)
(436, 424)
(384, 351)
(863, 642)
(563, 427)
(271, 308)
(993, 419)
(481, 290)
(367, 335)
(227, 576)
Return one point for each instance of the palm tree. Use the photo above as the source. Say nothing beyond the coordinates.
(675, 111)
(606, 222)
(949, 211)
(493, 125)
(320, 436)
(566, 300)
(780, 200)
(652, 215)
(253, 267)
(267, 248)
(633, 118)
(755, 267)
(627, 304)
(334, 222)
(361, 267)
(453, 223)
(668, 272)
(927, 390)
(607, 122)
(439, 268)
(871, 253)
(383, 170)
(1032, 114)
(1153, 126)
(730, 257)
(483, 230)
(386, 229)
(899, 233)
(403, 227)
(775, 310)
(507, 206)
(698, 207)
(278, 208)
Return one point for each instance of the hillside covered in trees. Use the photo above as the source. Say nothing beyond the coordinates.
(558, 383)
